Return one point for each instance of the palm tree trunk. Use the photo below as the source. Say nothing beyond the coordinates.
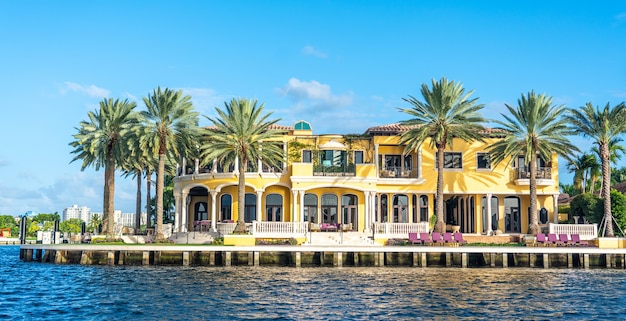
(109, 191)
(440, 226)
(138, 202)
(241, 192)
(606, 193)
(159, 197)
(533, 227)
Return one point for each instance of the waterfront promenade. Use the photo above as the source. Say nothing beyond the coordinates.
(328, 255)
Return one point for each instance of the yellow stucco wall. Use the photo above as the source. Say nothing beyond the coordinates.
(298, 176)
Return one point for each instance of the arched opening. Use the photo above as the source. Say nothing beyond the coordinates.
(274, 208)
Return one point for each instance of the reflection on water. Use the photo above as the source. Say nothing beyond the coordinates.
(51, 292)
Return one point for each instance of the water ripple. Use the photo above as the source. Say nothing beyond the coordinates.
(37, 291)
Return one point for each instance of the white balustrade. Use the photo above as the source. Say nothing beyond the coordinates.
(400, 230)
(586, 231)
(278, 229)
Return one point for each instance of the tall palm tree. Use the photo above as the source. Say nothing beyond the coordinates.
(601, 125)
(101, 142)
(171, 124)
(616, 150)
(242, 133)
(446, 113)
(534, 128)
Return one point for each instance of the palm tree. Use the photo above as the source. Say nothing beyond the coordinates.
(615, 154)
(241, 133)
(534, 128)
(446, 113)
(101, 142)
(581, 166)
(171, 125)
(603, 126)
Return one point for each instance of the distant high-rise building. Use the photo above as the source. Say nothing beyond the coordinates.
(82, 213)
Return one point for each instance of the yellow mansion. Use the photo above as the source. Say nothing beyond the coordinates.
(364, 183)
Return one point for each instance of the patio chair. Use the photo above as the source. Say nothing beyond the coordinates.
(458, 238)
(541, 239)
(553, 240)
(425, 238)
(414, 239)
(577, 241)
(447, 237)
(564, 239)
(436, 237)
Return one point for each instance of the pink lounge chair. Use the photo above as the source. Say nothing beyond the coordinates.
(577, 241)
(458, 238)
(541, 239)
(564, 239)
(437, 238)
(414, 239)
(425, 238)
(552, 239)
(447, 237)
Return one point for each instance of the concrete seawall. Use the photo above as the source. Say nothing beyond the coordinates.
(337, 256)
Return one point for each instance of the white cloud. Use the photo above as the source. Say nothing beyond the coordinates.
(205, 100)
(311, 51)
(90, 90)
(313, 93)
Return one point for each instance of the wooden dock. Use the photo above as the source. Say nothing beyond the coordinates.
(337, 256)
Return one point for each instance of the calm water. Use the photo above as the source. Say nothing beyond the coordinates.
(42, 291)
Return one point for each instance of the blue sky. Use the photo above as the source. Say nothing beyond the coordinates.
(343, 66)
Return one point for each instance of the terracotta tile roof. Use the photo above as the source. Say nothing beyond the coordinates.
(275, 126)
(397, 128)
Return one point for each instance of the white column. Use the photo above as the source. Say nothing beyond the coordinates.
(196, 169)
(419, 162)
(184, 166)
(177, 217)
(556, 208)
(184, 218)
(214, 210)
(489, 230)
(294, 207)
(259, 210)
(302, 206)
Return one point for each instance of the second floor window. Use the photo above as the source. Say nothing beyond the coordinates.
(306, 156)
(482, 161)
(450, 160)
(358, 157)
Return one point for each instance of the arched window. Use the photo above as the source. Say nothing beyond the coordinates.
(329, 208)
(200, 212)
(512, 220)
(310, 208)
(225, 210)
(423, 208)
(274, 208)
(250, 208)
(400, 209)
(384, 211)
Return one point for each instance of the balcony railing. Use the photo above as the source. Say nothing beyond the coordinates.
(586, 231)
(397, 172)
(400, 230)
(345, 170)
(542, 173)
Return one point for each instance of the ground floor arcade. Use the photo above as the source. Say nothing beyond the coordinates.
(203, 207)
